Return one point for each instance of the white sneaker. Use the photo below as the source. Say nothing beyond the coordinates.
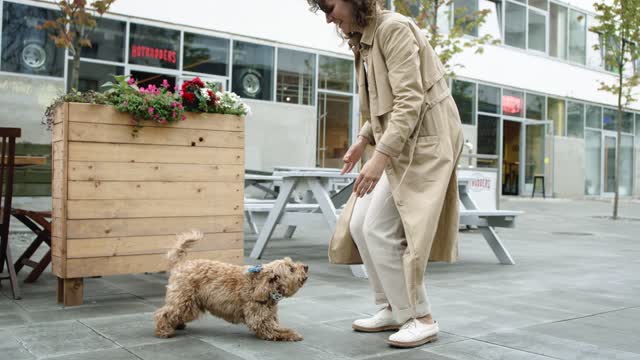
(414, 333)
(381, 321)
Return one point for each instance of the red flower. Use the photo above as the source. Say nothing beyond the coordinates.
(189, 97)
(196, 81)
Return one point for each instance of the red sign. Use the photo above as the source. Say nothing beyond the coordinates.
(138, 51)
(511, 104)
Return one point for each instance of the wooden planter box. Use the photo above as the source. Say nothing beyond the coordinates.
(119, 201)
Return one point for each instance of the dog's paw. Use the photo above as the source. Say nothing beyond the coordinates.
(181, 327)
(290, 335)
(164, 334)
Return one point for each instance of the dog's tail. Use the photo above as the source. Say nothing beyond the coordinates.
(185, 241)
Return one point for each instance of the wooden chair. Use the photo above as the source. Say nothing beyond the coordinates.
(39, 222)
(7, 166)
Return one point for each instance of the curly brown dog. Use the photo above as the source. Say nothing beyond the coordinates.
(237, 294)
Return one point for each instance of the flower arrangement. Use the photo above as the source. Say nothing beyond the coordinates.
(206, 97)
(161, 105)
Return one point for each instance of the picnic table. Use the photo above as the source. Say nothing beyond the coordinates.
(284, 211)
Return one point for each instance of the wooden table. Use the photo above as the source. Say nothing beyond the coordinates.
(30, 160)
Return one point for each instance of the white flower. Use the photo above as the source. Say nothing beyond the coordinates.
(205, 93)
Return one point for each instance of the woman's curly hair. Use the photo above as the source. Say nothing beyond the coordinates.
(363, 10)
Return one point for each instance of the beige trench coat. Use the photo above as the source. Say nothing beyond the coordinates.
(407, 112)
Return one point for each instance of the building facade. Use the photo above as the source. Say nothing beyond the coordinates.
(530, 106)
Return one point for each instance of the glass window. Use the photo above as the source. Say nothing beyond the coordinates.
(577, 36)
(154, 46)
(575, 119)
(535, 107)
(296, 77)
(489, 99)
(23, 99)
(107, 41)
(516, 25)
(627, 122)
(626, 165)
(638, 127)
(594, 57)
(146, 78)
(93, 76)
(493, 22)
(487, 139)
(556, 112)
(594, 117)
(609, 119)
(206, 54)
(513, 103)
(593, 159)
(253, 70)
(540, 4)
(558, 31)
(463, 15)
(464, 93)
(26, 49)
(335, 74)
(537, 31)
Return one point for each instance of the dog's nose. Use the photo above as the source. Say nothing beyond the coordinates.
(306, 268)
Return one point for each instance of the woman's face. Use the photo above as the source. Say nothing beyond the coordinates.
(339, 12)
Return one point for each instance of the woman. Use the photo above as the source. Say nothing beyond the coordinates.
(407, 210)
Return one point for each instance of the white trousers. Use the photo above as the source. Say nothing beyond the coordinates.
(377, 230)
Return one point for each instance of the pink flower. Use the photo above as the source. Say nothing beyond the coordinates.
(165, 84)
(163, 121)
(173, 115)
(131, 81)
(125, 103)
(151, 110)
(174, 104)
(184, 117)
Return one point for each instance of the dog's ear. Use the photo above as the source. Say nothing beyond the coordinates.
(266, 283)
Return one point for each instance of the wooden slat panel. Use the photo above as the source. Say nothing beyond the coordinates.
(149, 190)
(58, 150)
(152, 226)
(56, 249)
(118, 209)
(61, 112)
(107, 171)
(134, 153)
(145, 245)
(107, 115)
(57, 226)
(57, 133)
(141, 263)
(104, 133)
(58, 266)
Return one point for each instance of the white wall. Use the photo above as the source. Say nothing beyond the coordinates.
(568, 165)
(279, 134)
(284, 21)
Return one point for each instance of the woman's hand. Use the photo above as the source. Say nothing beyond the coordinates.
(370, 174)
(354, 154)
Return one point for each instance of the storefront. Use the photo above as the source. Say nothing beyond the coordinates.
(303, 99)
(571, 143)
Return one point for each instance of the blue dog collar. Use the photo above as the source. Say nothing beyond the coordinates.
(254, 269)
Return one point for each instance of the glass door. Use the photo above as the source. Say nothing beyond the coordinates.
(609, 156)
(534, 154)
(334, 129)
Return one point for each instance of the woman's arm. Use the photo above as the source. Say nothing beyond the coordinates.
(401, 51)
